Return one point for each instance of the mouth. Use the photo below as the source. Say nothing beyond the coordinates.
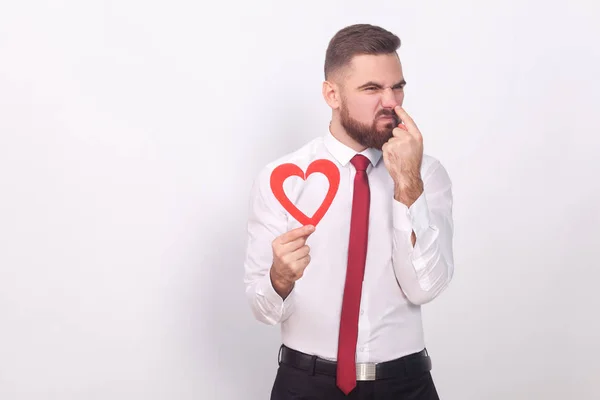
(387, 119)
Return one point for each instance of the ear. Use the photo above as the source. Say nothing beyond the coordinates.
(331, 94)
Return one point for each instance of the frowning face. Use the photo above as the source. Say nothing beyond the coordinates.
(370, 87)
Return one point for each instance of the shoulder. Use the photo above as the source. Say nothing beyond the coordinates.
(302, 157)
(430, 163)
(433, 170)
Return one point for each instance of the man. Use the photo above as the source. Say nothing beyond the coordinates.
(348, 288)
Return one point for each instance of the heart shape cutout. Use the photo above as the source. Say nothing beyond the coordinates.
(284, 171)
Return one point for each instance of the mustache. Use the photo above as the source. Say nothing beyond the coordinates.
(388, 113)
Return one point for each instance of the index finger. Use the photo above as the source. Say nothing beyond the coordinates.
(296, 233)
(404, 117)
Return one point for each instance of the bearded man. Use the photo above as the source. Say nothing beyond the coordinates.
(347, 284)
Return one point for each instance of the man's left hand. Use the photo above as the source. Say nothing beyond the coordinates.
(402, 155)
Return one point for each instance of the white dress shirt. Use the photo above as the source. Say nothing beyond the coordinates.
(399, 278)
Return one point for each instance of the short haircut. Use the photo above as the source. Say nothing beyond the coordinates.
(356, 40)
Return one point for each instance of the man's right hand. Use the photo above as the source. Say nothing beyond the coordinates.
(290, 258)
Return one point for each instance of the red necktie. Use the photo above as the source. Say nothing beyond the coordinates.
(357, 254)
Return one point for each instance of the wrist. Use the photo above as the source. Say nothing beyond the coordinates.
(408, 190)
(282, 286)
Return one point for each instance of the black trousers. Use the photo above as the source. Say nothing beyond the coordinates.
(297, 384)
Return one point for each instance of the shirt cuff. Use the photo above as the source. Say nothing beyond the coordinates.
(415, 218)
(265, 289)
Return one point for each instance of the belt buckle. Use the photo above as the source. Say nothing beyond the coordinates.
(366, 371)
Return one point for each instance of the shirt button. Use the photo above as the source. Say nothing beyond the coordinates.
(362, 312)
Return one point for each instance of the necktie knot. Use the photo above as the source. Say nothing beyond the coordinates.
(360, 162)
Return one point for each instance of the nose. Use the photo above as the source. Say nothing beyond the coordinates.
(388, 98)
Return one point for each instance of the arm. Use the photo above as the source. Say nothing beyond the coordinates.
(265, 223)
(423, 235)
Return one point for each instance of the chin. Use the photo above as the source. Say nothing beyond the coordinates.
(385, 130)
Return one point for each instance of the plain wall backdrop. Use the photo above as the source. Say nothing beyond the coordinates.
(131, 131)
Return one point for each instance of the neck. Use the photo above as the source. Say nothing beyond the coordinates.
(338, 132)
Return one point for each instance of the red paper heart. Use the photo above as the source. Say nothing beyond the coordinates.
(284, 171)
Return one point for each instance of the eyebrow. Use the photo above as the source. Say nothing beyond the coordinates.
(400, 84)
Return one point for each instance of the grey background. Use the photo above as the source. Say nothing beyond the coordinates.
(130, 133)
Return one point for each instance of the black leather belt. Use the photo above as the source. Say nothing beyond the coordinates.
(410, 365)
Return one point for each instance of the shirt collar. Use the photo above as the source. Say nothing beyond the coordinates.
(343, 154)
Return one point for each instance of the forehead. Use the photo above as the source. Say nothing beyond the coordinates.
(383, 68)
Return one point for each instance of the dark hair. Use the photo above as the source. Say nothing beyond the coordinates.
(355, 40)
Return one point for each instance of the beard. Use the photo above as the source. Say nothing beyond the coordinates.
(369, 135)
